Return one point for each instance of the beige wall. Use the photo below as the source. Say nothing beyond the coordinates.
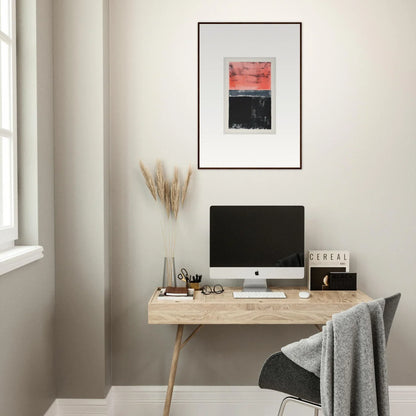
(81, 198)
(357, 182)
(27, 382)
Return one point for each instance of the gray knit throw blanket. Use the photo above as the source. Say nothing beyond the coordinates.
(349, 357)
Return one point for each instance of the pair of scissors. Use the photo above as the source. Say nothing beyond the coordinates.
(183, 275)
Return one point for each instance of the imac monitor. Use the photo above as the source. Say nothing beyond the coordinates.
(256, 243)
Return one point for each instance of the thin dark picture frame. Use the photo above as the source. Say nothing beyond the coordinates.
(199, 96)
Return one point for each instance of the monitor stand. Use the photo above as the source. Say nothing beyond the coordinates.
(255, 285)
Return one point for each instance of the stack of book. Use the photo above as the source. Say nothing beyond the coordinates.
(176, 293)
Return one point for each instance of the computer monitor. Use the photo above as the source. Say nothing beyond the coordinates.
(256, 243)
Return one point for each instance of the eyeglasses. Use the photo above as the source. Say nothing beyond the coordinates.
(207, 290)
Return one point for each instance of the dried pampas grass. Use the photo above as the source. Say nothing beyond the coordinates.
(171, 195)
(149, 180)
(160, 180)
(175, 193)
(166, 199)
(186, 184)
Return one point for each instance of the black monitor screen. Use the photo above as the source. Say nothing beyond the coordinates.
(257, 236)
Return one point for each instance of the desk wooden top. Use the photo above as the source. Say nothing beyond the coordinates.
(224, 309)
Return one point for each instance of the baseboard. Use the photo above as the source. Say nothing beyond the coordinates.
(204, 401)
(84, 407)
(402, 400)
(53, 410)
(195, 400)
(81, 407)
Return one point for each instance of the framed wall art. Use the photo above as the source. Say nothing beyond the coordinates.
(249, 95)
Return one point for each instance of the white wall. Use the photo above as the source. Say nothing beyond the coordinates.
(357, 183)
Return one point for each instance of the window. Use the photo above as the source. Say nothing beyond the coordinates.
(8, 150)
(11, 256)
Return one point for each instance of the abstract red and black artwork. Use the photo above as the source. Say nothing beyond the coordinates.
(249, 95)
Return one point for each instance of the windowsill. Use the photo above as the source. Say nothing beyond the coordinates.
(19, 256)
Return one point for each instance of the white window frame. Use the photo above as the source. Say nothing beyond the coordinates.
(11, 256)
(9, 234)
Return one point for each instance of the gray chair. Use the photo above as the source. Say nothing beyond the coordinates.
(282, 374)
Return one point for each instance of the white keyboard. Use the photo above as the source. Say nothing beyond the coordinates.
(259, 295)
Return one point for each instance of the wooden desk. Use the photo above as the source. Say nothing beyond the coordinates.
(224, 309)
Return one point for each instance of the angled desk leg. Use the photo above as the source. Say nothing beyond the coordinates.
(173, 368)
(178, 346)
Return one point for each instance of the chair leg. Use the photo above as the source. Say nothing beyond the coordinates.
(283, 405)
(315, 406)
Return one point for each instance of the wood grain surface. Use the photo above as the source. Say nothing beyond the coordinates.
(224, 309)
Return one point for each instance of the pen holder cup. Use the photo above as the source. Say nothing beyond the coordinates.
(193, 286)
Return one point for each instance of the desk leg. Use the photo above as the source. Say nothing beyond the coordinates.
(173, 367)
